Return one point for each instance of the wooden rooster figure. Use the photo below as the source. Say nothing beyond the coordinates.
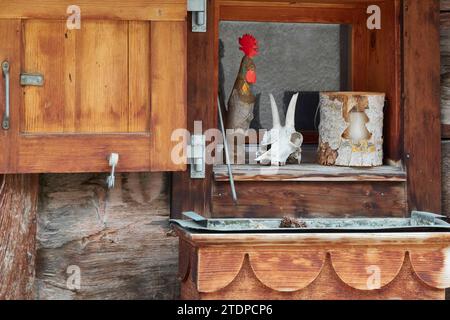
(242, 100)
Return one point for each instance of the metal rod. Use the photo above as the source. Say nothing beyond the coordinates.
(227, 153)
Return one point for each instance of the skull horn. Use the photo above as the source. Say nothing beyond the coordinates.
(290, 115)
(275, 114)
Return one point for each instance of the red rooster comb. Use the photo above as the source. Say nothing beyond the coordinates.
(249, 45)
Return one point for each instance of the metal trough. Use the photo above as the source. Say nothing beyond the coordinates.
(419, 222)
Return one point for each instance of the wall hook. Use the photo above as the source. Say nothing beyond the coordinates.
(113, 161)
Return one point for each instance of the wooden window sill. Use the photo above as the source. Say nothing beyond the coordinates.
(310, 172)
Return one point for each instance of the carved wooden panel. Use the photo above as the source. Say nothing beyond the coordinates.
(315, 266)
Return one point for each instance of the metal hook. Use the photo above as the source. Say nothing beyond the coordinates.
(113, 161)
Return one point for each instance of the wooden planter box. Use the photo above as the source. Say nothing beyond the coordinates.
(314, 266)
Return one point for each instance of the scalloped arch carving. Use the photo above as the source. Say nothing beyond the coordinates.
(291, 269)
(367, 268)
(287, 270)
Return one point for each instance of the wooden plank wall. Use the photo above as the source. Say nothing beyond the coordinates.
(445, 103)
(119, 239)
(18, 200)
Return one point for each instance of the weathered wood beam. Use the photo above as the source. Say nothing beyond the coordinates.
(446, 178)
(157, 10)
(422, 119)
(445, 73)
(119, 240)
(18, 201)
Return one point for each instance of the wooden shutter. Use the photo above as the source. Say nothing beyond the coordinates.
(116, 85)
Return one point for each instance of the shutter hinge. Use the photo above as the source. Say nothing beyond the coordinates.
(197, 156)
(198, 9)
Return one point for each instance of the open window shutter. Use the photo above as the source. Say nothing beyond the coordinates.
(114, 84)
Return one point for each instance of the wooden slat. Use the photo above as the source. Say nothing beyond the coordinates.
(310, 199)
(384, 73)
(296, 3)
(102, 76)
(328, 240)
(162, 10)
(284, 13)
(10, 32)
(168, 84)
(44, 107)
(422, 125)
(83, 153)
(139, 76)
(309, 172)
(70, 80)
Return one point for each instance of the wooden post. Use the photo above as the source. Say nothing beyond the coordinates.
(18, 199)
(422, 104)
(190, 194)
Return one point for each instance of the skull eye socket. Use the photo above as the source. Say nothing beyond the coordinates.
(296, 139)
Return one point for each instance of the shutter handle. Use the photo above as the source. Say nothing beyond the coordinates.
(5, 71)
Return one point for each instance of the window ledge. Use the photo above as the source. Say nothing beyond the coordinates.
(310, 172)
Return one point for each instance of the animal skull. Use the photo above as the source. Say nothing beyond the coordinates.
(285, 142)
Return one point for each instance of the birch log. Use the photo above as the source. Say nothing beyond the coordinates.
(351, 129)
(18, 200)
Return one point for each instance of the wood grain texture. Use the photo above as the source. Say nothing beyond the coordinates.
(119, 238)
(310, 199)
(445, 5)
(102, 72)
(10, 31)
(94, 75)
(384, 74)
(164, 10)
(202, 86)
(83, 153)
(445, 73)
(422, 125)
(18, 202)
(10, 51)
(44, 53)
(139, 71)
(323, 265)
(168, 97)
(446, 178)
(327, 286)
(309, 172)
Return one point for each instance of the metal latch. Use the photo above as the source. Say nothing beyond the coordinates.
(197, 156)
(198, 9)
(31, 79)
